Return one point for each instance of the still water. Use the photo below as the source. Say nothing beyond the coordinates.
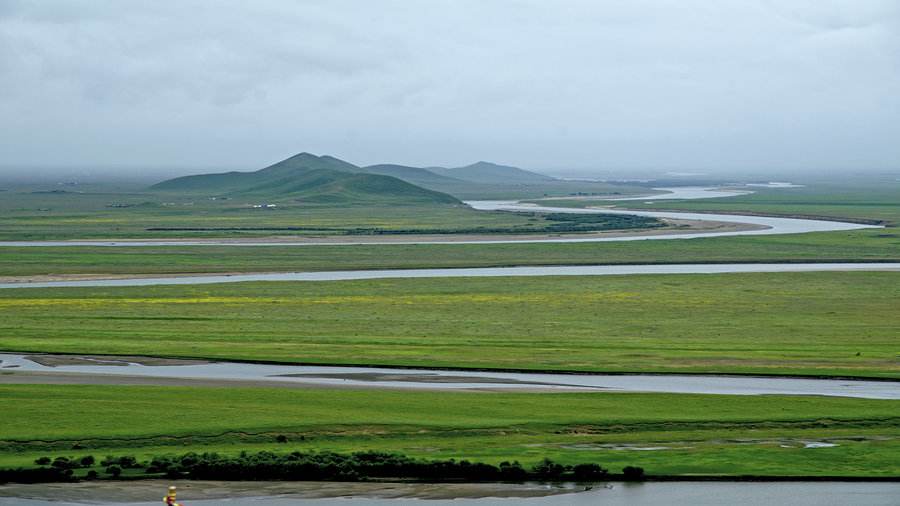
(559, 270)
(110, 368)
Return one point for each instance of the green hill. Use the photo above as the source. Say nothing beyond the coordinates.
(309, 178)
(414, 175)
(487, 172)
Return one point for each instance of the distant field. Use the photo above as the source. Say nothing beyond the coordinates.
(694, 434)
(838, 323)
(863, 200)
(73, 216)
(94, 221)
(822, 324)
(41, 212)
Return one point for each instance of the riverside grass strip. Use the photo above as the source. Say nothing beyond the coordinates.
(876, 245)
(691, 434)
(818, 324)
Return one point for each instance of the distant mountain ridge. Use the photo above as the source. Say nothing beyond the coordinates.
(325, 179)
(415, 175)
(310, 178)
(487, 172)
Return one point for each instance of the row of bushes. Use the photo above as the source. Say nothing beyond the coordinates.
(362, 465)
(313, 466)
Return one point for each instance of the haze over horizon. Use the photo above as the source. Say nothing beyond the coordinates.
(572, 87)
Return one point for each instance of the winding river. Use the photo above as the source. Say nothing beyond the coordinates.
(46, 368)
(555, 270)
(131, 370)
(762, 225)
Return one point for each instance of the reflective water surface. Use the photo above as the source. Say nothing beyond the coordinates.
(683, 193)
(431, 379)
(557, 270)
(768, 225)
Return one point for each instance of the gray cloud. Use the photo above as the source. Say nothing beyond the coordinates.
(732, 84)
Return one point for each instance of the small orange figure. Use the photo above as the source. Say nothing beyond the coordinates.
(169, 499)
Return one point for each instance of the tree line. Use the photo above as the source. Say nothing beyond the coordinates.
(323, 466)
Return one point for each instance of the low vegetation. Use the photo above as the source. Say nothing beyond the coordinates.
(677, 434)
(855, 246)
(821, 324)
(67, 215)
(318, 466)
(871, 199)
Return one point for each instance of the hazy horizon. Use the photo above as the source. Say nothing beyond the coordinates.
(571, 88)
(136, 174)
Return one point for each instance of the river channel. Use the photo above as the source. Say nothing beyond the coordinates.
(131, 370)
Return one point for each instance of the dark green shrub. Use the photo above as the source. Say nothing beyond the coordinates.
(633, 473)
(125, 462)
(585, 472)
(548, 470)
(62, 463)
(512, 472)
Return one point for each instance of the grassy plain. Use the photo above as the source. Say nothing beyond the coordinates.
(73, 216)
(863, 245)
(92, 220)
(842, 324)
(826, 323)
(702, 434)
(873, 202)
(873, 198)
(39, 212)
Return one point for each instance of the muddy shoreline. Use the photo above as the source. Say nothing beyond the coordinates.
(125, 491)
(144, 489)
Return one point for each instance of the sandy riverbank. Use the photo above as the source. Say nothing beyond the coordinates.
(151, 490)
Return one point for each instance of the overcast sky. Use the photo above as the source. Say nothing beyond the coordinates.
(564, 85)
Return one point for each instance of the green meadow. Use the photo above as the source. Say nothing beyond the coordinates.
(874, 245)
(876, 202)
(872, 199)
(694, 434)
(47, 212)
(85, 216)
(817, 324)
(822, 324)
(74, 216)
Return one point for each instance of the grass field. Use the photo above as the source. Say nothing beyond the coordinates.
(863, 199)
(85, 215)
(705, 434)
(69, 220)
(863, 245)
(873, 202)
(40, 212)
(837, 323)
(823, 324)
